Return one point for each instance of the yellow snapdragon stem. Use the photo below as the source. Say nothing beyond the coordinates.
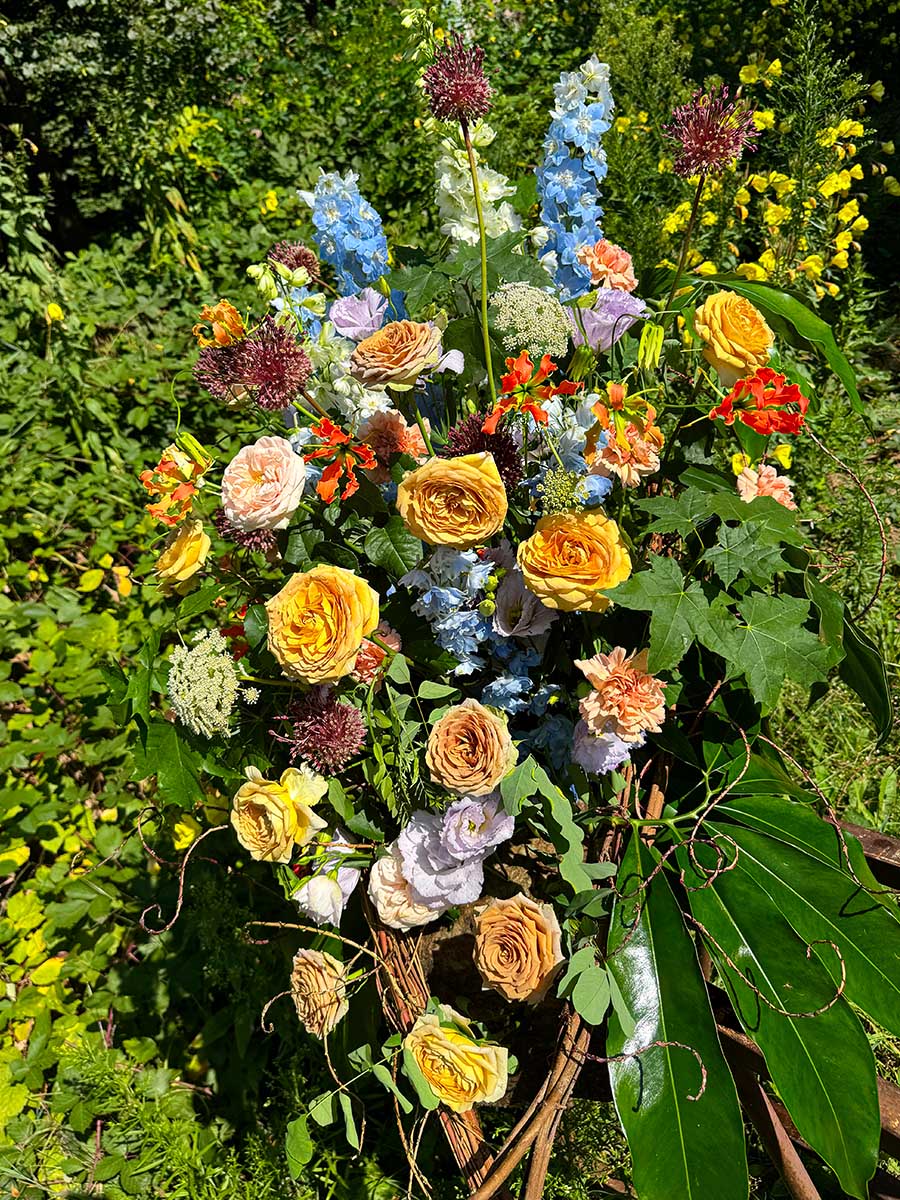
(483, 244)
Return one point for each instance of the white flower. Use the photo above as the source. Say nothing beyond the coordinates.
(203, 685)
(323, 897)
(389, 892)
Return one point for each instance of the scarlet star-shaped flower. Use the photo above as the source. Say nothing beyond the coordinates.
(345, 454)
(766, 402)
(523, 389)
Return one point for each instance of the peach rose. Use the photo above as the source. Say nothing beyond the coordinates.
(396, 355)
(737, 338)
(470, 749)
(317, 623)
(389, 892)
(518, 947)
(459, 1070)
(627, 700)
(271, 817)
(182, 557)
(571, 557)
(262, 485)
(389, 434)
(609, 265)
(371, 656)
(765, 481)
(458, 502)
(319, 991)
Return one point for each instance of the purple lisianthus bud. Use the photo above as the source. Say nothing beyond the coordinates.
(473, 826)
(613, 314)
(358, 316)
(598, 755)
(519, 613)
(436, 877)
(451, 360)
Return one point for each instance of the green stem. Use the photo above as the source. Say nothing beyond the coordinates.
(483, 244)
(685, 245)
(423, 429)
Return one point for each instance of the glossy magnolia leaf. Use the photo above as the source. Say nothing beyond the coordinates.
(824, 904)
(682, 1148)
(393, 548)
(830, 607)
(863, 670)
(771, 645)
(821, 1065)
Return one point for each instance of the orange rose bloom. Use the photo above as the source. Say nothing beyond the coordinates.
(627, 700)
(470, 749)
(571, 557)
(609, 265)
(518, 947)
(737, 338)
(396, 355)
(459, 502)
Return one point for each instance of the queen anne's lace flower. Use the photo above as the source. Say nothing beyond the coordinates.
(528, 318)
(204, 685)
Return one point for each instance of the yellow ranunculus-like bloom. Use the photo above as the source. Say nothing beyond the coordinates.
(270, 817)
(571, 557)
(470, 749)
(183, 555)
(737, 338)
(317, 623)
(459, 1070)
(458, 502)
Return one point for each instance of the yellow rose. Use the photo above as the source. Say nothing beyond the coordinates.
(458, 502)
(396, 355)
(317, 623)
(571, 557)
(184, 554)
(518, 947)
(270, 818)
(460, 1071)
(737, 338)
(470, 749)
(319, 991)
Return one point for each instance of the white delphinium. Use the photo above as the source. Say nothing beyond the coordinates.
(528, 318)
(453, 190)
(204, 685)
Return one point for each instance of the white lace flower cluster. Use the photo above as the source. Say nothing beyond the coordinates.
(204, 685)
(453, 190)
(528, 318)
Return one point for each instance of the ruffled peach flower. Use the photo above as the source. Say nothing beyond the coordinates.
(470, 749)
(765, 481)
(610, 266)
(518, 947)
(388, 434)
(371, 656)
(396, 355)
(319, 991)
(629, 453)
(263, 484)
(627, 700)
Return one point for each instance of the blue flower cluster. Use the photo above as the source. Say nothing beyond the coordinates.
(349, 233)
(452, 585)
(574, 165)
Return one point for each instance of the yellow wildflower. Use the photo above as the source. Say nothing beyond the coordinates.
(776, 214)
(740, 462)
(832, 289)
(742, 196)
(812, 266)
(749, 73)
(767, 260)
(759, 183)
(848, 212)
(706, 268)
(764, 118)
(782, 184)
(843, 240)
(783, 454)
(891, 186)
(887, 147)
(709, 218)
(840, 260)
(856, 171)
(774, 68)
(54, 313)
(860, 225)
(621, 124)
(876, 91)
(752, 271)
(664, 166)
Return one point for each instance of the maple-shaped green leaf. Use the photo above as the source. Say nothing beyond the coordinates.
(739, 551)
(175, 764)
(774, 524)
(679, 613)
(676, 514)
(771, 645)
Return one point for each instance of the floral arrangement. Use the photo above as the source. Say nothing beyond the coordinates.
(495, 603)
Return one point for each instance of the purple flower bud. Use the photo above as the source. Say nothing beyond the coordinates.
(598, 755)
(519, 612)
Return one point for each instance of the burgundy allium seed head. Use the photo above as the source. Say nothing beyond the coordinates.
(711, 131)
(294, 255)
(325, 732)
(273, 364)
(218, 370)
(468, 438)
(263, 540)
(455, 83)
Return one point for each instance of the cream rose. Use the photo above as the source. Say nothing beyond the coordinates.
(263, 484)
(182, 557)
(396, 355)
(737, 338)
(271, 817)
(470, 749)
(459, 1070)
(390, 894)
(319, 991)
(317, 623)
(518, 947)
(459, 502)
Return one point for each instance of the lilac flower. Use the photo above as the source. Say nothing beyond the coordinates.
(323, 897)
(473, 826)
(358, 316)
(519, 613)
(436, 877)
(598, 755)
(613, 314)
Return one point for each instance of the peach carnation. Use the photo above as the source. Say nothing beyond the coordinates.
(371, 656)
(610, 266)
(765, 481)
(262, 485)
(627, 700)
(631, 454)
(388, 434)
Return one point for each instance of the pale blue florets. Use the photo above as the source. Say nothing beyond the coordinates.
(451, 586)
(574, 166)
(349, 233)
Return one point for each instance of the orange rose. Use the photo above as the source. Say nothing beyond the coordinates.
(459, 502)
(396, 355)
(518, 947)
(470, 749)
(737, 338)
(572, 557)
(317, 623)
(609, 265)
(319, 991)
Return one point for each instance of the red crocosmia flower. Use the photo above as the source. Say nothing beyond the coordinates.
(766, 402)
(524, 387)
(345, 454)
